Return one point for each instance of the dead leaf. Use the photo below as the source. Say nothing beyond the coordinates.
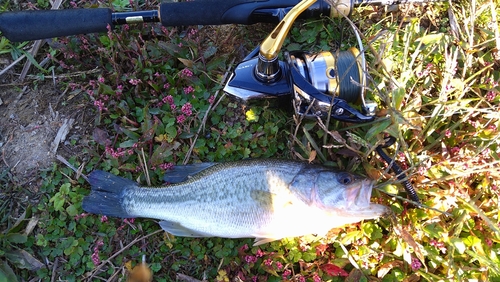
(414, 278)
(23, 259)
(31, 225)
(372, 172)
(355, 275)
(298, 155)
(186, 62)
(186, 278)
(140, 273)
(336, 135)
(410, 241)
(347, 152)
(386, 267)
(101, 137)
(312, 156)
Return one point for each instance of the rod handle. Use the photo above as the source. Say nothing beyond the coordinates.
(216, 12)
(42, 24)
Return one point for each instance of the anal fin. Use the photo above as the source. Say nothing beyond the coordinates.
(177, 229)
(261, 241)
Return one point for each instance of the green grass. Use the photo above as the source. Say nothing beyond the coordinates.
(435, 79)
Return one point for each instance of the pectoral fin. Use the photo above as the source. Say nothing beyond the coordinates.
(177, 229)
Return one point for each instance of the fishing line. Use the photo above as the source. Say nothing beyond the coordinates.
(348, 69)
(338, 74)
(413, 202)
(397, 169)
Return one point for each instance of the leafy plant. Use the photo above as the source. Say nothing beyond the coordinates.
(15, 50)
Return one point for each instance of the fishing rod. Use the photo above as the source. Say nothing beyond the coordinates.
(41, 24)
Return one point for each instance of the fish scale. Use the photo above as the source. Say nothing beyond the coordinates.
(194, 196)
(263, 199)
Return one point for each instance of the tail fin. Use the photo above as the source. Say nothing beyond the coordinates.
(107, 194)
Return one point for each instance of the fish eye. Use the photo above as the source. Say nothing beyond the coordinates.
(344, 178)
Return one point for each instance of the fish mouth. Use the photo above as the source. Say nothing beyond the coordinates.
(359, 195)
(364, 193)
(358, 199)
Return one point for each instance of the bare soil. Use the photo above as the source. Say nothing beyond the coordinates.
(31, 115)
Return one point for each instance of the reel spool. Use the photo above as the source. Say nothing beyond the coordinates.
(338, 75)
(324, 84)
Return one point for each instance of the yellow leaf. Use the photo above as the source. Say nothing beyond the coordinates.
(397, 97)
(128, 265)
(431, 38)
(251, 116)
(222, 275)
(161, 138)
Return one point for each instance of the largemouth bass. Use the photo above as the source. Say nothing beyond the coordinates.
(263, 199)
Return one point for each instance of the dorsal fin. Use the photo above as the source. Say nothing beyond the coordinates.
(182, 173)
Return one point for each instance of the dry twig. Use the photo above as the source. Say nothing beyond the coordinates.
(203, 122)
(103, 263)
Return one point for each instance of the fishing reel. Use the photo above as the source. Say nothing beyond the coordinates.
(318, 84)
